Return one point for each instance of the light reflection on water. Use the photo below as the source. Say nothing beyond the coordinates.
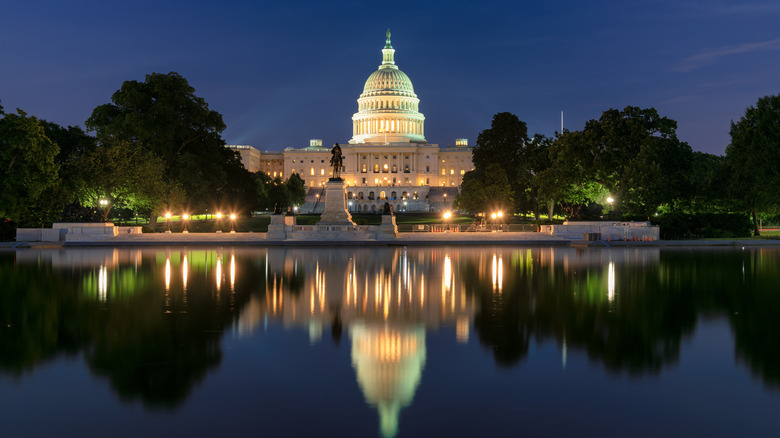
(628, 310)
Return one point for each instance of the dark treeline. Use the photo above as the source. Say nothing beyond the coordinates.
(630, 164)
(156, 147)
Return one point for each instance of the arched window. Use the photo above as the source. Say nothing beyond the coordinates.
(415, 196)
(371, 196)
(360, 195)
(404, 196)
(349, 195)
(393, 195)
(382, 195)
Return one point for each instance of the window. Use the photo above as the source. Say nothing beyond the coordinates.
(395, 157)
(392, 195)
(384, 168)
(360, 196)
(312, 161)
(376, 168)
(382, 196)
(427, 168)
(443, 171)
(371, 196)
(462, 172)
(364, 181)
(415, 196)
(364, 169)
(322, 171)
(404, 196)
(428, 181)
(312, 171)
(394, 169)
(406, 168)
(349, 195)
(452, 171)
(376, 157)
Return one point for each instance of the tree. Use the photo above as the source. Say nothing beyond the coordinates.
(73, 142)
(122, 174)
(752, 158)
(485, 190)
(634, 153)
(296, 186)
(27, 163)
(164, 115)
(503, 144)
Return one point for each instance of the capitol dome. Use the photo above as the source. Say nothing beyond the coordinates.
(388, 108)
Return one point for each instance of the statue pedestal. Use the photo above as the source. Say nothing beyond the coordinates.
(279, 227)
(388, 229)
(335, 211)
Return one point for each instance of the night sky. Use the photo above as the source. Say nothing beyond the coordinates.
(283, 72)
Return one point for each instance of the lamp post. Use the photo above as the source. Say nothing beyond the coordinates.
(219, 222)
(232, 223)
(447, 215)
(184, 218)
(499, 215)
(493, 220)
(168, 222)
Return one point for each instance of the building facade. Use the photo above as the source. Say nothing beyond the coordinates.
(387, 159)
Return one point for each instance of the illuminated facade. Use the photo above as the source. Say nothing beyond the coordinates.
(388, 158)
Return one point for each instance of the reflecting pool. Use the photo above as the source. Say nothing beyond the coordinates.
(478, 341)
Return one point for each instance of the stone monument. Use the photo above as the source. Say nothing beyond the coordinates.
(335, 210)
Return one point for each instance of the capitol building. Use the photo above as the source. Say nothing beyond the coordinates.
(387, 159)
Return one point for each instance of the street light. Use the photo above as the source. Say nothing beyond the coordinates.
(219, 222)
(447, 215)
(232, 223)
(500, 214)
(610, 200)
(184, 218)
(168, 222)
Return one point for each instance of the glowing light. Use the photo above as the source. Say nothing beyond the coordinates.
(447, 215)
(185, 216)
(184, 272)
(219, 215)
(232, 217)
(610, 200)
(103, 283)
(611, 282)
(167, 273)
(500, 214)
(168, 215)
(498, 273)
(219, 272)
(232, 271)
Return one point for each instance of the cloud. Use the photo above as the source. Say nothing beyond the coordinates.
(702, 59)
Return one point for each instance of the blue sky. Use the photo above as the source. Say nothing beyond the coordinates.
(283, 72)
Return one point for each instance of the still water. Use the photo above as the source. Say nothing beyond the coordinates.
(489, 341)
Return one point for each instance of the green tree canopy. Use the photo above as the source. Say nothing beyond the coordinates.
(164, 115)
(485, 190)
(753, 157)
(27, 163)
(634, 153)
(122, 174)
